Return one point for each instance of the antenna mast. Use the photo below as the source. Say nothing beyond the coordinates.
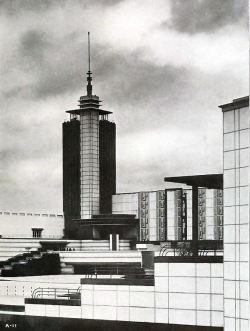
(89, 48)
(89, 73)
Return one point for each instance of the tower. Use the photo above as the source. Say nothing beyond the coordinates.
(89, 164)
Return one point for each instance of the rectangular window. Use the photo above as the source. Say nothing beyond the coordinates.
(37, 233)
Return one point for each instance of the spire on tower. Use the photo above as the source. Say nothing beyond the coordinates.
(88, 102)
(89, 73)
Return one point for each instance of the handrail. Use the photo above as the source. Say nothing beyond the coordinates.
(122, 276)
(55, 293)
(179, 252)
(115, 270)
(184, 248)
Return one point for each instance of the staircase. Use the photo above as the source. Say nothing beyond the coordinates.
(149, 273)
(10, 247)
(67, 269)
(84, 262)
(31, 264)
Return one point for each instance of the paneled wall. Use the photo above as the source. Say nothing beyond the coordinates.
(236, 220)
(210, 213)
(184, 293)
(89, 164)
(189, 293)
(162, 216)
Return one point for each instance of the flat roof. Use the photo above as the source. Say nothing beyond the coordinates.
(212, 181)
(155, 191)
(236, 104)
(188, 259)
(106, 222)
(109, 220)
(79, 110)
(119, 281)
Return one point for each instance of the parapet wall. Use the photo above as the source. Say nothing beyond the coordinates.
(183, 293)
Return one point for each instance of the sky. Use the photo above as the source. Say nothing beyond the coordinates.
(162, 67)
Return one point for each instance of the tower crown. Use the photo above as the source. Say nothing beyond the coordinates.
(89, 102)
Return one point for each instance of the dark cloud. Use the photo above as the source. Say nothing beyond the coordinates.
(15, 92)
(138, 91)
(55, 79)
(33, 47)
(192, 16)
(34, 43)
(55, 69)
(51, 69)
(135, 80)
(14, 7)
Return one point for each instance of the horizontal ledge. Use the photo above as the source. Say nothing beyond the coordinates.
(132, 282)
(60, 302)
(17, 308)
(236, 104)
(188, 259)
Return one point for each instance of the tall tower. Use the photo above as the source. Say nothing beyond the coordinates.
(89, 151)
(89, 175)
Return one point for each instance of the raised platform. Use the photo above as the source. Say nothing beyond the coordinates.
(100, 257)
(101, 226)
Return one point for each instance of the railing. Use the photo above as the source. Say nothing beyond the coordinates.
(56, 293)
(116, 272)
(181, 249)
(29, 236)
(8, 213)
(121, 276)
(111, 270)
(185, 248)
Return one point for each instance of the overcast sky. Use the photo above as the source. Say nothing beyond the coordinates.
(162, 67)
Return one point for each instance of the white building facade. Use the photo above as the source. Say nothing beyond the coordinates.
(31, 225)
(236, 220)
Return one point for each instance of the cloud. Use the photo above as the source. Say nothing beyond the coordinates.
(174, 155)
(162, 82)
(135, 80)
(34, 44)
(195, 16)
(14, 7)
(38, 66)
(49, 58)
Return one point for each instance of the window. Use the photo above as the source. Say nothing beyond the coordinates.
(37, 233)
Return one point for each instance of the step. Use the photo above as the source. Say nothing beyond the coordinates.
(7, 267)
(67, 270)
(149, 271)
